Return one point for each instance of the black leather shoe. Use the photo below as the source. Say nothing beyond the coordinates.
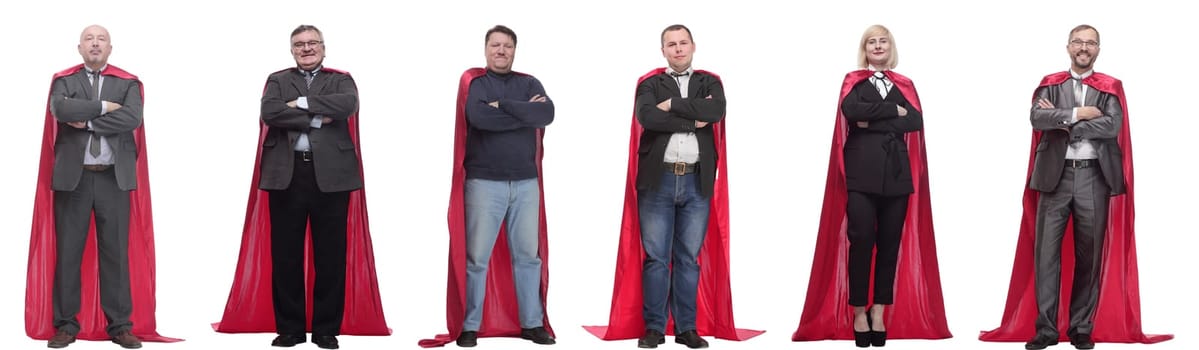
(325, 341)
(1041, 341)
(877, 338)
(60, 340)
(538, 335)
(288, 340)
(1082, 341)
(691, 339)
(651, 339)
(468, 339)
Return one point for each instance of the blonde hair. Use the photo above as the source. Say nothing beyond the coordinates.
(877, 30)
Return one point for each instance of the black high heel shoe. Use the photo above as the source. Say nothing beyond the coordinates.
(862, 339)
(877, 338)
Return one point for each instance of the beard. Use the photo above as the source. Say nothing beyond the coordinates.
(1084, 62)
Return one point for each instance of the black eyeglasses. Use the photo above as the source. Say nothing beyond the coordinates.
(1079, 43)
(303, 44)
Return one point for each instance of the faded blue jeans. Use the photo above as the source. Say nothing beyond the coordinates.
(490, 203)
(674, 221)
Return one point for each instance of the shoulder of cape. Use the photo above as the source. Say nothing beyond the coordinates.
(110, 71)
(651, 73)
(852, 78)
(332, 70)
(1054, 79)
(704, 72)
(471, 74)
(1106, 83)
(68, 71)
(899, 78)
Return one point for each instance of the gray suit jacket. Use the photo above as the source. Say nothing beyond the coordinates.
(71, 100)
(1057, 133)
(332, 94)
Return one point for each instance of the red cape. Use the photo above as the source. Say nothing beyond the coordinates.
(714, 301)
(40, 276)
(501, 317)
(250, 308)
(1118, 312)
(918, 312)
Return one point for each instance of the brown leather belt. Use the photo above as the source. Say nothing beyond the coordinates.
(97, 167)
(680, 168)
(1081, 163)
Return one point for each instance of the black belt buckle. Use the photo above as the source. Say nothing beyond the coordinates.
(679, 168)
(306, 156)
(1078, 163)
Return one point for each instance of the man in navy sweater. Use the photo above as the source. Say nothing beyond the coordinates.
(505, 112)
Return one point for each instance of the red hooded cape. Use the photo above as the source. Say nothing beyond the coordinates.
(40, 277)
(1118, 312)
(250, 308)
(714, 301)
(501, 317)
(918, 312)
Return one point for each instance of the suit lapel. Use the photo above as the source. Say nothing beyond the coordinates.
(693, 86)
(297, 81)
(671, 86)
(1092, 96)
(84, 83)
(318, 82)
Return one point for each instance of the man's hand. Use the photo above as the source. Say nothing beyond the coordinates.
(1089, 112)
(291, 103)
(903, 112)
(699, 124)
(664, 105)
(78, 125)
(495, 104)
(111, 106)
(864, 125)
(1045, 104)
(326, 120)
(537, 98)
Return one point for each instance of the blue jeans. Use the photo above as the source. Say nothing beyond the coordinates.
(490, 203)
(675, 215)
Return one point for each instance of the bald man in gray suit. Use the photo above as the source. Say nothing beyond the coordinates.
(95, 160)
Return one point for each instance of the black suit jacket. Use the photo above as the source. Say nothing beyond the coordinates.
(660, 125)
(333, 95)
(876, 157)
(71, 100)
(1057, 133)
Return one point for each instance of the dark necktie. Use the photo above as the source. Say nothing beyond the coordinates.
(308, 76)
(880, 83)
(1079, 96)
(94, 144)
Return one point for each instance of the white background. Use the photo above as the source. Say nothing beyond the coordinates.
(974, 64)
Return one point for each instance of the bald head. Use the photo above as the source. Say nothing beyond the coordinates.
(94, 46)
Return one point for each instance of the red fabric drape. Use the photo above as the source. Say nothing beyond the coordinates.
(250, 308)
(1118, 312)
(501, 317)
(919, 311)
(714, 304)
(39, 286)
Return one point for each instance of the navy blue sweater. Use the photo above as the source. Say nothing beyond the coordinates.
(501, 143)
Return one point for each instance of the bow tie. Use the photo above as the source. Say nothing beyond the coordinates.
(677, 74)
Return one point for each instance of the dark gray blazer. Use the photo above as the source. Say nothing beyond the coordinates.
(71, 100)
(1057, 133)
(332, 95)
